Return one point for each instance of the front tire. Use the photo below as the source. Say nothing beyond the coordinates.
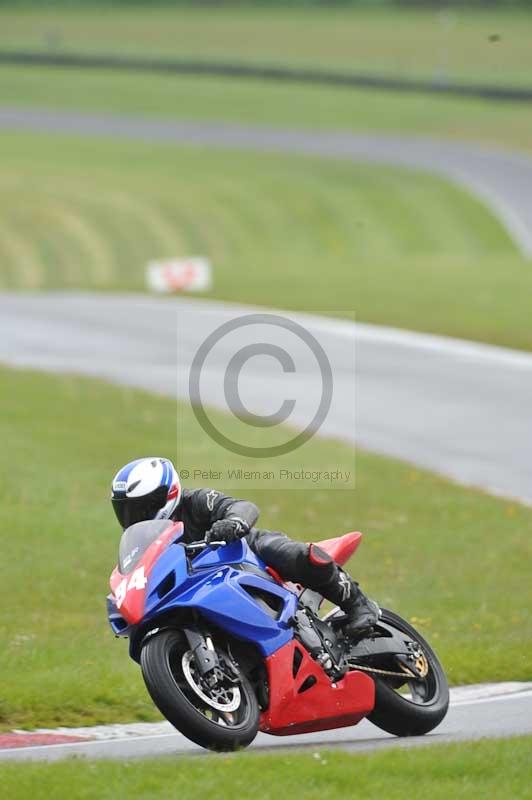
(226, 721)
(428, 703)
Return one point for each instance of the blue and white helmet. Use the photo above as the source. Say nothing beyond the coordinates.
(148, 488)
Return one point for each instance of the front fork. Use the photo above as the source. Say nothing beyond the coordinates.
(211, 667)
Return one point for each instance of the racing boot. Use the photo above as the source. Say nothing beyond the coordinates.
(362, 613)
(343, 591)
(320, 573)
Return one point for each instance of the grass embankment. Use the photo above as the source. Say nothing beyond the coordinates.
(398, 247)
(471, 771)
(455, 561)
(481, 45)
(486, 46)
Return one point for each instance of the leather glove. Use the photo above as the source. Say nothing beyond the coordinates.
(227, 530)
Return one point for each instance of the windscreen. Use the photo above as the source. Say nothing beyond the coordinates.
(136, 540)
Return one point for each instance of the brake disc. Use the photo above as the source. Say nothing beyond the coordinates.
(233, 692)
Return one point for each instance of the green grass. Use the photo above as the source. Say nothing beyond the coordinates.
(453, 560)
(267, 102)
(399, 247)
(454, 44)
(467, 771)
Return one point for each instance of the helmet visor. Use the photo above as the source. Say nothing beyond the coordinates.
(130, 510)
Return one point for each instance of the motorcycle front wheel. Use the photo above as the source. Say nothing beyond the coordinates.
(221, 717)
(410, 707)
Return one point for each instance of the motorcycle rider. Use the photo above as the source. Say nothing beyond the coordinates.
(149, 488)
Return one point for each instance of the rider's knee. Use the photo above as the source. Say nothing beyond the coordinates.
(319, 565)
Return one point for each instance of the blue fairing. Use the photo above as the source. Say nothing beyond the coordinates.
(228, 586)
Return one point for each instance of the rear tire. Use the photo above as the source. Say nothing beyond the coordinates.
(399, 715)
(160, 661)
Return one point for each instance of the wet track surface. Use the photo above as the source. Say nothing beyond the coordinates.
(498, 716)
(458, 408)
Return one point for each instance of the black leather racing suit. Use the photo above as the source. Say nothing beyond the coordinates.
(302, 563)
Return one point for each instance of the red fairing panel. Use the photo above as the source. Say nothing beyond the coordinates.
(342, 548)
(322, 706)
(130, 590)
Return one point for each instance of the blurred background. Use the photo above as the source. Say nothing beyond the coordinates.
(91, 213)
(87, 205)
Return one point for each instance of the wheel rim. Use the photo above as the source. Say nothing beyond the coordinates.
(225, 704)
(420, 688)
(419, 691)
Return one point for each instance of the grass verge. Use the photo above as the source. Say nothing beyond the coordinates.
(470, 770)
(453, 560)
(399, 247)
(483, 45)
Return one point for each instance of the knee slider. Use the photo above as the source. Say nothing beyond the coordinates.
(318, 557)
(321, 569)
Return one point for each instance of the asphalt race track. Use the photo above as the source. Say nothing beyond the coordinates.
(458, 408)
(502, 179)
(490, 716)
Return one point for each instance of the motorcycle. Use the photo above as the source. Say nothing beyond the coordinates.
(228, 649)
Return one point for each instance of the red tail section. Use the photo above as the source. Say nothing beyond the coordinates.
(342, 547)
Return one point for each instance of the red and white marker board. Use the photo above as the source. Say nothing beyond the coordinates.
(179, 275)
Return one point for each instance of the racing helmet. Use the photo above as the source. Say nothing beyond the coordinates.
(148, 488)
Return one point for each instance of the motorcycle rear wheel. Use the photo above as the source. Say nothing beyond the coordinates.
(224, 718)
(429, 699)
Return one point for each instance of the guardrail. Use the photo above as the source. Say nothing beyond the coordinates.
(266, 72)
